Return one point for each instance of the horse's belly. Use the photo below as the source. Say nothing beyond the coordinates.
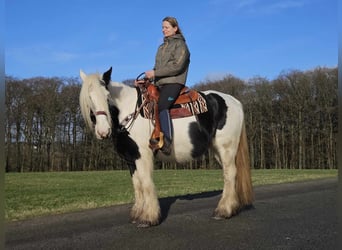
(182, 143)
(178, 156)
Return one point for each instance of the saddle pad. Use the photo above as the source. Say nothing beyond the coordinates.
(195, 107)
(181, 110)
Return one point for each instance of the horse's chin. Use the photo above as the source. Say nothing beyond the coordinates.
(103, 136)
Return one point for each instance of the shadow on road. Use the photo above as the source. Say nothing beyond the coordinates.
(166, 203)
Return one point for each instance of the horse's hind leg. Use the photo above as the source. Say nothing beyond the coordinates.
(228, 204)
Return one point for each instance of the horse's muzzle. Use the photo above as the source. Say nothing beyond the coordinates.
(103, 134)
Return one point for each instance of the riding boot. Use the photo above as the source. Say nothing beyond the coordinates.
(166, 128)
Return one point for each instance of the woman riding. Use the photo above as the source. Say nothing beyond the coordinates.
(169, 74)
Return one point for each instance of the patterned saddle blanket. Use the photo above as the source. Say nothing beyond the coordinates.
(189, 102)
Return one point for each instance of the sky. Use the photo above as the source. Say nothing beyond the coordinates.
(243, 38)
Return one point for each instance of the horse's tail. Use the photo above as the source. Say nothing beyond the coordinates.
(244, 187)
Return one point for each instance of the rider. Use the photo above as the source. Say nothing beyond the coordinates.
(169, 74)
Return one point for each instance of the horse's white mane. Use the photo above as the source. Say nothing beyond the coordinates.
(91, 83)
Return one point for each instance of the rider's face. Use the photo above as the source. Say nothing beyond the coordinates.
(168, 30)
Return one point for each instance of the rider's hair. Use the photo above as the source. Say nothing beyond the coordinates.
(174, 23)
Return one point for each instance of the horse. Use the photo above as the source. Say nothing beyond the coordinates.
(107, 106)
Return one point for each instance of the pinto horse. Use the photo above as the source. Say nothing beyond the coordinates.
(106, 107)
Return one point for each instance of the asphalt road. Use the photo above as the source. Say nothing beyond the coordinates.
(286, 216)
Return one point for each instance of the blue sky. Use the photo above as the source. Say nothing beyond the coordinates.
(245, 38)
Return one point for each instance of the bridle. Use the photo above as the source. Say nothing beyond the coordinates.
(101, 113)
(128, 121)
(93, 115)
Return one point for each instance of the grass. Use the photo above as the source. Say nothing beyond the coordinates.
(29, 195)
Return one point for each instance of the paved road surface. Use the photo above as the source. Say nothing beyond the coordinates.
(286, 216)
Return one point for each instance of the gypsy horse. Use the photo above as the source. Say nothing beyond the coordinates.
(107, 106)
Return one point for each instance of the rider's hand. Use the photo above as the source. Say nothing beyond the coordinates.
(137, 82)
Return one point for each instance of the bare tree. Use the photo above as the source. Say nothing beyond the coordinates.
(291, 122)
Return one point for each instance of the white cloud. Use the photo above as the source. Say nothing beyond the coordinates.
(39, 54)
(215, 76)
(257, 6)
(281, 5)
(245, 4)
(62, 56)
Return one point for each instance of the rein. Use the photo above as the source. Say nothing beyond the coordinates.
(128, 121)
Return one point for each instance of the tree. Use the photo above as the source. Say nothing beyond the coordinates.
(291, 122)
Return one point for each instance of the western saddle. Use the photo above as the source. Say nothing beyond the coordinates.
(189, 102)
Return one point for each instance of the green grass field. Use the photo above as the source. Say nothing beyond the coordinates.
(29, 195)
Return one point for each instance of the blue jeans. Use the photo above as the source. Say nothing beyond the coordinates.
(167, 96)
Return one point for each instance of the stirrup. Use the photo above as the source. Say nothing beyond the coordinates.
(166, 148)
(157, 143)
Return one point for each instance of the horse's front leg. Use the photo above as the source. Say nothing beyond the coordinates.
(146, 210)
(138, 199)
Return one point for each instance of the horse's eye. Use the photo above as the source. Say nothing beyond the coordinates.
(92, 117)
(103, 83)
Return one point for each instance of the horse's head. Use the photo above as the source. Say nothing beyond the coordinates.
(94, 103)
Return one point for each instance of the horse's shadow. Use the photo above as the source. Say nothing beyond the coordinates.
(166, 203)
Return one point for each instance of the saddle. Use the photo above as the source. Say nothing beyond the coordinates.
(189, 102)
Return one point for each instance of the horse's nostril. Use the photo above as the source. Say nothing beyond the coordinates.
(104, 134)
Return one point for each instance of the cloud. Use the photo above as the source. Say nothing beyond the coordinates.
(281, 5)
(39, 53)
(257, 6)
(215, 76)
(42, 54)
(62, 56)
(245, 4)
(113, 37)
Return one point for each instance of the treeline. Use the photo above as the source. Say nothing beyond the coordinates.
(291, 123)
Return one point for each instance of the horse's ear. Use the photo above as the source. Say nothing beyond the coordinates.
(107, 76)
(82, 75)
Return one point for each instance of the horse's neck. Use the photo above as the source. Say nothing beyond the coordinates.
(123, 96)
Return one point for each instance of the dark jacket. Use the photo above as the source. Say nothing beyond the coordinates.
(172, 61)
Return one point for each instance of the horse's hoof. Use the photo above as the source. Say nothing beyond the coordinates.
(144, 224)
(216, 217)
(219, 217)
